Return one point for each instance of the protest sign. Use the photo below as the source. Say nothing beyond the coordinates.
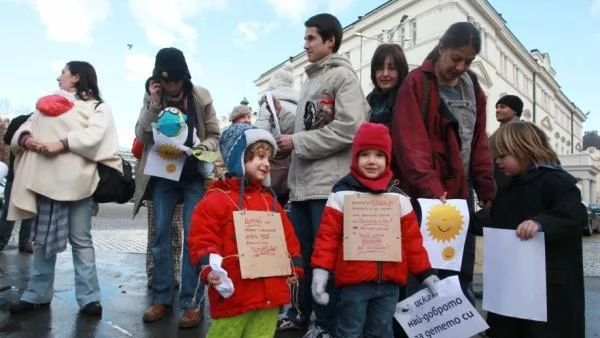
(444, 229)
(445, 315)
(262, 249)
(166, 157)
(372, 228)
(514, 274)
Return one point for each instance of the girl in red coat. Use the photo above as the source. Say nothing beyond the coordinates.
(368, 290)
(240, 307)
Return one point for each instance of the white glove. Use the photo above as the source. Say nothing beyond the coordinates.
(430, 282)
(319, 281)
(225, 287)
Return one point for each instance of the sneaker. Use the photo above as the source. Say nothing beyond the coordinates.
(316, 331)
(286, 323)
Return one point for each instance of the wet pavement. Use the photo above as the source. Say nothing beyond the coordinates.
(120, 256)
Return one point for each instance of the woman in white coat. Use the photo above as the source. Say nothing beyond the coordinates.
(57, 151)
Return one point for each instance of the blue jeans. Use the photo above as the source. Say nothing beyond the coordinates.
(367, 310)
(165, 196)
(41, 281)
(306, 219)
(6, 226)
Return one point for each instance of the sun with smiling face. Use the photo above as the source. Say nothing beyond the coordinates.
(444, 222)
(168, 152)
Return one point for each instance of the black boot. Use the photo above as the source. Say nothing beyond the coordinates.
(93, 309)
(24, 307)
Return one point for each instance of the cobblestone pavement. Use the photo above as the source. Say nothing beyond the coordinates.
(114, 229)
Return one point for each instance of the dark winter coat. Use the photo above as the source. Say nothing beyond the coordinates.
(550, 197)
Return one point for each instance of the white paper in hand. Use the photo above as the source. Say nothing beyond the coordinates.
(277, 132)
(225, 287)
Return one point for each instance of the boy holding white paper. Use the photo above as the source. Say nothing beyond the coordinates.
(368, 289)
(541, 197)
(239, 306)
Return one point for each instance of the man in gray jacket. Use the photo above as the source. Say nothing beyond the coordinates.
(330, 109)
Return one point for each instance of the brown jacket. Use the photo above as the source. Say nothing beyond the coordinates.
(207, 130)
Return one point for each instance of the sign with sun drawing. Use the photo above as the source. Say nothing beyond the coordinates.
(166, 157)
(444, 228)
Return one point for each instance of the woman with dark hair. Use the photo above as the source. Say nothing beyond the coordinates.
(56, 155)
(388, 70)
(170, 87)
(438, 132)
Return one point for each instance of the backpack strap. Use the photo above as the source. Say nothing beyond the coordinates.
(425, 96)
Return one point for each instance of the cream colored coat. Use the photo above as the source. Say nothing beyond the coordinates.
(70, 176)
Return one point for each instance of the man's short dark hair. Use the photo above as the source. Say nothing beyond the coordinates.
(327, 26)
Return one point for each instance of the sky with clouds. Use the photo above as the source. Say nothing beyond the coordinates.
(229, 43)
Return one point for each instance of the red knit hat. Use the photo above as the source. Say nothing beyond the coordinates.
(372, 136)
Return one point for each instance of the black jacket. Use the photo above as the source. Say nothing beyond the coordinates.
(550, 197)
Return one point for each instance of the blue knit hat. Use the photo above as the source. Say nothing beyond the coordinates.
(234, 141)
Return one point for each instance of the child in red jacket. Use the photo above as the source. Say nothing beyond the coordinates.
(368, 290)
(240, 307)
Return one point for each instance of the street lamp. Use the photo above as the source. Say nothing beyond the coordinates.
(362, 36)
(366, 37)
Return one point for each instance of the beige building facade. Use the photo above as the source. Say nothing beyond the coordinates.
(504, 66)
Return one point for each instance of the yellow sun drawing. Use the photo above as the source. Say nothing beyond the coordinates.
(444, 222)
(171, 168)
(168, 152)
(448, 253)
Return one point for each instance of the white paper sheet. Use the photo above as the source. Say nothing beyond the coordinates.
(271, 104)
(166, 157)
(447, 315)
(514, 274)
(444, 228)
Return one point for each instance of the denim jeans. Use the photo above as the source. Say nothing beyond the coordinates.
(306, 219)
(41, 281)
(6, 226)
(165, 195)
(366, 310)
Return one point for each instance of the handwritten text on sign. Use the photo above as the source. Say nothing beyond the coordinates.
(261, 244)
(372, 228)
(445, 315)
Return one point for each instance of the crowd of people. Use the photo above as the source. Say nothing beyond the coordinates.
(417, 134)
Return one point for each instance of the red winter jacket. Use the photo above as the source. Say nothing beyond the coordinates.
(428, 149)
(212, 231)
(328, 251)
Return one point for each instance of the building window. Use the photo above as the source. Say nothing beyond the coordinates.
(413, 30)
(483, 44)
(405, 34)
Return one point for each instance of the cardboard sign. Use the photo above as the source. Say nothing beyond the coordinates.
(372, 228)
(261, 244)
(445, 315)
